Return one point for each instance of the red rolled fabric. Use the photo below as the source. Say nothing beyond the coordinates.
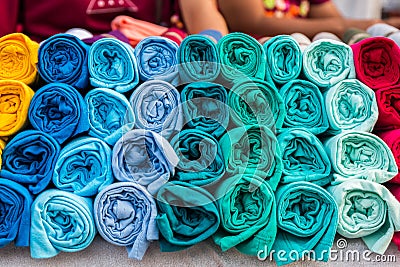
(175, 34)
(392, 139)
(395, 190)
(388, 100)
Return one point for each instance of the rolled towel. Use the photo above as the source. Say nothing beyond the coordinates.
(305, 107)
(2, 145)
(392, 139)
(125, 215)
(303, 40)
(307, 218)
(388, 108)
(110, 114)
(18, 58)
(83, 167)
(60, 221)
(63, 58)
(59, 110)
(325, 35)
(187, 215)
(367, 210)
(29, 159)
(354, 35)
(15, 98)
(386, 30)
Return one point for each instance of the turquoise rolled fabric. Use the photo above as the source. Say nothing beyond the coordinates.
(125, 215)
(360, 155)
(304, 158)
(305, 106)
(307, 218)
(110, 114)
(367, 210)
(112, 64)
(60, 221)
(83, 167)
(351, 105)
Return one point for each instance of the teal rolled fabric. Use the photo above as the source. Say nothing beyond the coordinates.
(305, 107)
(367, 210)
(307, 217)
(304, 158)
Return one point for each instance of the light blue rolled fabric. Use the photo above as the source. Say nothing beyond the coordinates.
(112, 64)
(386, 30)
(110, 114)
(83, 167)
(125, 215)
(60, 221)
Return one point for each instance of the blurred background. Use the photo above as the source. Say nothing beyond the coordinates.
(366, 9)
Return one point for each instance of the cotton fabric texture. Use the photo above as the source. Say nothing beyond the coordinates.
(388, 108)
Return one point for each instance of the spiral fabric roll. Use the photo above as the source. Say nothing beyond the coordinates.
(392, 139)
(388, 108)
(125, 215)
(395, 190)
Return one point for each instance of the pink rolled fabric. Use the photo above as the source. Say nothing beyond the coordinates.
(392, 139)
(388, 100)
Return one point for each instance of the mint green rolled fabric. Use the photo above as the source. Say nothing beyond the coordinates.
(307, 217)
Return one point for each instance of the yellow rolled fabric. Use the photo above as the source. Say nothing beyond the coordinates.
(2, 145)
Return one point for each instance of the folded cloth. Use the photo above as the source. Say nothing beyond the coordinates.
(350, 105)
(29, 159)
(327, 62)
(60, 221)
(395, 190)
(15, 202)
(253, 150)
(2, 145)
(112, 64)
(157, 106)
(304, 105)
(392, 139)
(110, 114)
(367, 210)
(15, 98)
(116, 34)
(307, 218)
(63, 58)
(388, 108)
(303, 40)
(144, 157)
(304, 158)
(247, 209)
(377, 62)
(83, 167)
(59, 110)
(242, 56)
(325, 35)
(18, 58)
(125, 215)
(205, 107)
(386, 30)
(360, 155)
(354, 35)
(187, 215)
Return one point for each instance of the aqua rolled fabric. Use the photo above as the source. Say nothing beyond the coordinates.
(112, 64)
(125, 215)
(29, 159)
(307, 217)
(110, 114)
(59, 110)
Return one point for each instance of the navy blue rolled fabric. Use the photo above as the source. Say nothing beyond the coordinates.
(59, 110)
(29, 159)
(112, 64)
(64, 58)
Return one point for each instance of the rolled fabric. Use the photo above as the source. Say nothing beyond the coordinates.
(307, 217)
(112, 64)
(395, 190)
(15, 98)
(80, 33)
(175, 34)
(144, 157)
(392, 139)
(355, 35)
(111, 34)
(303, 40)
(367, 210)
(360, 155)
(63, 58)
(60, 221)
(327, 62)
(386, 30)
(304, 158)
(59, 110)
(187, 215)
(110, 114)
(388, 108)
(305, 107)
(83, 167)
(125, 215)
(18, 58)
(2, 145)
(325, 35)
(29, 159)
(351, 105)
(15, 203)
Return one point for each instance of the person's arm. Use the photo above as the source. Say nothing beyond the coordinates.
(8, 16)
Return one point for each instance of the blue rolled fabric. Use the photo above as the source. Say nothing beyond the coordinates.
(110, 114)
(29, 159)
(60, 221)
(125, 215)
(211, 33)
(59, 110)
(112, 64)
(83, 167)
(64, 58)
